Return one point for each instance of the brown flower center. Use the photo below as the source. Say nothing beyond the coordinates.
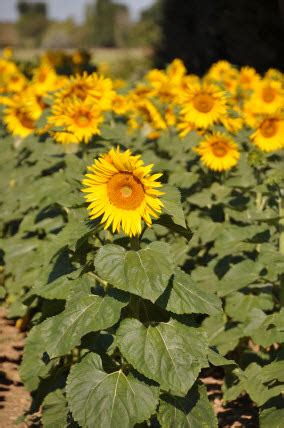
(82, 119)
(203, 102)
(268, 94)
(268, 128)
(219, 149)
(125, 191)
(25, 120)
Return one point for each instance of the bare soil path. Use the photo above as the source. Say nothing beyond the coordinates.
(14, 399)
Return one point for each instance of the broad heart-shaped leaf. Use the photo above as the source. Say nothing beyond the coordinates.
(84, 313)
(54, 411)
(183, 296)
(108, 400)
(33, 366)
(145, 272)
(172, 205)
(171, 354)
(192, 411)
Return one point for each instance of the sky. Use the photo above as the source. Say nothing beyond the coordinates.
(61, 9)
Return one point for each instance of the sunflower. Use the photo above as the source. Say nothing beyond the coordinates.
(45, 78)
(80, 121)
(120, 104)
(17, 118)
(248, 78)
(268, 97)
(203, 105)
(220, 70)
(95, 87)
(218, 152)
(269, 134)
(122, 192)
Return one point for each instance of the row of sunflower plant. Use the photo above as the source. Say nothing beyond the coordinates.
(173, 262)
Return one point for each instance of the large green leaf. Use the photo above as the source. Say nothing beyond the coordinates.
(170, 353)
(108, 400)
(33, 366)
(54, 410)
(145, 272)
(192, 411)
(85, 312)
(183, 296)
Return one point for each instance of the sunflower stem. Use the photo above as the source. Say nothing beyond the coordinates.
(135, 243)
(105, 284)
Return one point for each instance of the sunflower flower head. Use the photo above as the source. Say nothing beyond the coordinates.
(122, 192)
(79, 120)
(218, 152)
(203, 104)
(269, 135)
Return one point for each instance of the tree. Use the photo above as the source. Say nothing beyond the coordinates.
(32, 21)
(204, 31)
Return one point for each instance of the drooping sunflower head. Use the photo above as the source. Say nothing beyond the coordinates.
(122, 192)
(203, 104)
(218, 152)
(269, 135)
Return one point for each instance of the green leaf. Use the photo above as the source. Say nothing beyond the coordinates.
(171, 354)
(255, 381)
(239, 305)
(33, 366)
(272, 414)
(192, 411)
(239, 276)
(108, 400)
(85, 312)
(54, 411)
(218, 360)
(224, 335)
(172, 205)
(183, 296)
(145, 272)
(265, 329)
(167, 221)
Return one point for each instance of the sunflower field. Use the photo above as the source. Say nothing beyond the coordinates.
(142, 240)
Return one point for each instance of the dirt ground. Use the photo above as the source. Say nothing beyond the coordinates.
(14, 400)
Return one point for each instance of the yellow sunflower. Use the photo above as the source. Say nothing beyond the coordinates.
(80, 121)
(120, 104)
(45, 78)
(269, 135)
(17, 118)
(203, 105)
(122, 192)
(248, 78)
(220, 70)
(218, 152)
(268, 97)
